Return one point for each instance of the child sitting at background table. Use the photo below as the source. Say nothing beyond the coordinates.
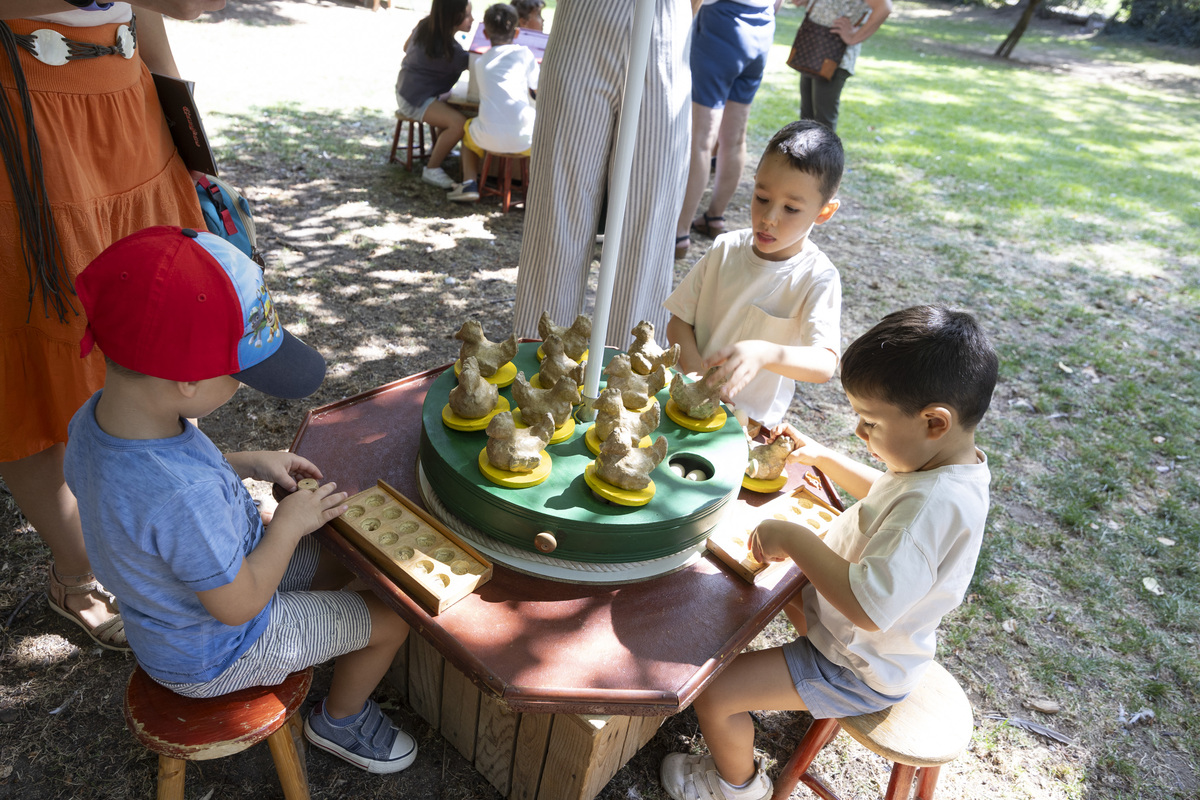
(529, 14)
(505, 74)
(433, 62)
(765, 304)
(214, 601)
(889, 568)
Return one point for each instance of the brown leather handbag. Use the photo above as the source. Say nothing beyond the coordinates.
(817, 50)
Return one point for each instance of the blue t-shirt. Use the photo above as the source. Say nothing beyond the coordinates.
(162, 520)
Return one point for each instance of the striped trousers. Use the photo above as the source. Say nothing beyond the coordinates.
(574, 140)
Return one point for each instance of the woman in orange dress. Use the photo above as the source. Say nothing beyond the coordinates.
(101, 165)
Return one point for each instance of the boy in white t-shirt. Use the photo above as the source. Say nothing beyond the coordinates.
(506, 74)
(888, 569)
(765, 303)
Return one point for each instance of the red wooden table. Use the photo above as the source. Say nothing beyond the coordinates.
(529, 666)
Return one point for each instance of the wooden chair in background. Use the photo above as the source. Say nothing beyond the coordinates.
(411, 152)
(504, 181)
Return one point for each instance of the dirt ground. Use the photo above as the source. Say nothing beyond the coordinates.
(370, 266)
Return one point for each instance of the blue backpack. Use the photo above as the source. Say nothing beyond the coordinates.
(227, 214)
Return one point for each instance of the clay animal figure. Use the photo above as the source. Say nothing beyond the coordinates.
(698, 400)
(768, 460)
(555, 401)
(474, 397)
(626, 465)
(557, 363)
(636, 390)
(490, 355)
(575, 338)
(517, 449)
(611, 414)
(645, 354)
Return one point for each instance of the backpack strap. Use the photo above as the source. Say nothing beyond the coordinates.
(214, 192)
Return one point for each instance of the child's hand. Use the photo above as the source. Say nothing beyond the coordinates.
(808, 450)
(767, 540)
(302, 513)
(739, 363)
(276, 466)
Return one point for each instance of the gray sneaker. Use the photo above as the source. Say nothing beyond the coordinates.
(437, 176)
(372, 742)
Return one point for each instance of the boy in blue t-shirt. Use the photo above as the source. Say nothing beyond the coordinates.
(213, 600)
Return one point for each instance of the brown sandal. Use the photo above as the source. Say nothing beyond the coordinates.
(110, 633)
(711, 227)
(682, 245)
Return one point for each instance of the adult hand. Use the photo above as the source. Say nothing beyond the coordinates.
(844, 27)
(181, 9)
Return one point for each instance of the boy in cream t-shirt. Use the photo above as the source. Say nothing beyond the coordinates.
(765, 304)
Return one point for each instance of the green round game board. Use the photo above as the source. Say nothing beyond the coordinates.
(678, 517)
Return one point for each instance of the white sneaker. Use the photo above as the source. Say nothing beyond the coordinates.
(437, 176)
(687, 777)
(466, 192)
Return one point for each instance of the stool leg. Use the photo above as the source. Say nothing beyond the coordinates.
(408, 161)
(927, 778)
(819, 734)
(395, 141)
(288, 764)
(506, 185)
(900, 785)
(170, 778)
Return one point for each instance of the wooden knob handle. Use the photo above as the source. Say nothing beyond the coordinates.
(545, 542)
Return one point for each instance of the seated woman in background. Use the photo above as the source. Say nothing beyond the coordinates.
(529, 14)
(433, 62)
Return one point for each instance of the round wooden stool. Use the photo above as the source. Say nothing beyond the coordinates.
(504, 189)
(182, 729)
(411, 151)
(927, 729)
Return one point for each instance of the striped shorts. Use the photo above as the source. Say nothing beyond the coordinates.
(306, 628)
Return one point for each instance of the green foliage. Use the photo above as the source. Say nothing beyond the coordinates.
(1166, 21)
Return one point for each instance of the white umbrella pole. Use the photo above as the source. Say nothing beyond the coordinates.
(618, 194)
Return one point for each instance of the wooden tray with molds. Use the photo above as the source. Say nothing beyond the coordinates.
(731, 542)
(433, 565)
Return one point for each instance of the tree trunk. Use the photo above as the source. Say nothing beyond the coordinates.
(1006, 47)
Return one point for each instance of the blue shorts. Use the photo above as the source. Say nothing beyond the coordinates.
(830, 691)
(729, 52)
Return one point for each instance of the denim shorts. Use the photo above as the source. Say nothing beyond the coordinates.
(306, 628)
(416, 112)
(830, 691)
(729, 52)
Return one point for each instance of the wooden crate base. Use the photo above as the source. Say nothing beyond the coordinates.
(525, 756)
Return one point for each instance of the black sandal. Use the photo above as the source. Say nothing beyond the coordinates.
(708, 228)
(683, 243)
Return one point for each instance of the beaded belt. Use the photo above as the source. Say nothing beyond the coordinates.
(51, 47)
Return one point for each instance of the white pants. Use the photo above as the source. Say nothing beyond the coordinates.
(574, 139)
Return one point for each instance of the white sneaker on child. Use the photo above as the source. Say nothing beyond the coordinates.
(437, 176)
(687, 777)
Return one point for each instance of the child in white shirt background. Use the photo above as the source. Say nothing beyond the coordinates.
(506, 75)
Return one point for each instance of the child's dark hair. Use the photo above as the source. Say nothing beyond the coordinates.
(924, 355)
(526, 7)
(500, 23)
(435, 33)
(811, 147)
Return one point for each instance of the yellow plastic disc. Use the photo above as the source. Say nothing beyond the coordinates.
(561, 433)
(452, 420)
(593, 441)
(615, 494)
(713, 423)
(504, 376)
(764, 487)
(514, 480)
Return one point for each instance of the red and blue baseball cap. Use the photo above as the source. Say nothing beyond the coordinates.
(183, 305)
